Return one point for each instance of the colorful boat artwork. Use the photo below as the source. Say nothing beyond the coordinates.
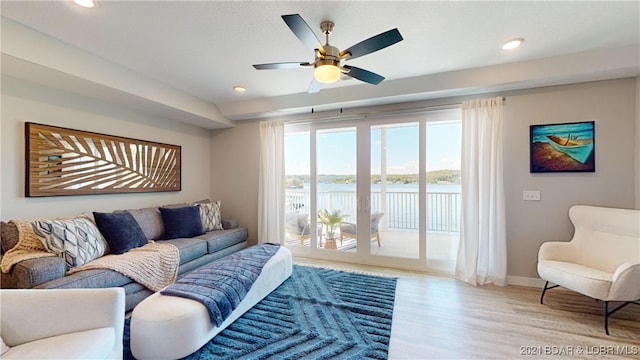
(579, 150)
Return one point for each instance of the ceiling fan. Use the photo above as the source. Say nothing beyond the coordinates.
(328, 65)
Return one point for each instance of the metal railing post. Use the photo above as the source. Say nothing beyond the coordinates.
(402, 208)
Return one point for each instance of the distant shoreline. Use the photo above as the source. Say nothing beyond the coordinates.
(444, 177)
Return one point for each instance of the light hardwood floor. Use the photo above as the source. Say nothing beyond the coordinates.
(438, 317)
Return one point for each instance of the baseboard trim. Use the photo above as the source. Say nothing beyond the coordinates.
(525, 281)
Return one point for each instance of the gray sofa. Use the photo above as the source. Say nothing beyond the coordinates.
(50, 272)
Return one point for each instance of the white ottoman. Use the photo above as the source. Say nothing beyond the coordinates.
(170, 327)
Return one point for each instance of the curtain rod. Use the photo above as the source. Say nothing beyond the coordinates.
(370, 114)
(364, 115)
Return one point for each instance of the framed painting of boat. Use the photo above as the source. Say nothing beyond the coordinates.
(568, 147)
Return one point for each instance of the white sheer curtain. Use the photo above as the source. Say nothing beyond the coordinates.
(271, 183)
(482, 253)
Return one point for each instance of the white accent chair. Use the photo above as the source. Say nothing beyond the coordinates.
(62, 323)
(602, 260)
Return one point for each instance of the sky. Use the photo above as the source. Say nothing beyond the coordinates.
(337, 150)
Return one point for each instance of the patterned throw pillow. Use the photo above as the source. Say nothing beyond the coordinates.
(77, 241)
(210, 216)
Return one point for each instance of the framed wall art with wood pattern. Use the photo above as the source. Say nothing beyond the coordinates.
(62, 161)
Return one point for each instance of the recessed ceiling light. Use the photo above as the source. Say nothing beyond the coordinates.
(85, 3)
(239, 89)
(512, 44)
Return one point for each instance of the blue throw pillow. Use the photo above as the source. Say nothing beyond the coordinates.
(181, 222)
(121, 231)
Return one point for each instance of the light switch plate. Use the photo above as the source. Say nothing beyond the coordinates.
(531, 195)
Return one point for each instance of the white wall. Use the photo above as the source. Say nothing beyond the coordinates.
(24, 101)
(223, 164)
(610, 103)
(638, 142)
(235, 155)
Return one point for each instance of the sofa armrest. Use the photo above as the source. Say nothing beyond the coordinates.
(625, 281)
(32, 272)
(557, 250)
(29, 314)
(228, 224)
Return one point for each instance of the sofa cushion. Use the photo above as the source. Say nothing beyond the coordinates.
(181, 222)
(189, 248)
(176, 206)
(576, 277)
(9, 235)
(89, 344)
(33, 272)
(95, 278)
(77, 241)
(210, 216)
(150, 221)
(121, 231)
(222, 239)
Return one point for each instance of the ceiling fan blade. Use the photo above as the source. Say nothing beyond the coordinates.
(283, 65)
(364, 75)
(314, 87)
(302, 30)
(372, 44)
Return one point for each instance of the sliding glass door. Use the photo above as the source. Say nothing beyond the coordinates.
(361, 192)
(395, 187)
(443, 195)
(335, 183)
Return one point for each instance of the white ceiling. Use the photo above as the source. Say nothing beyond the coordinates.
(202, 49)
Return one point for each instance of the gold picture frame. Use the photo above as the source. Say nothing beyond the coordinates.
(61, 161)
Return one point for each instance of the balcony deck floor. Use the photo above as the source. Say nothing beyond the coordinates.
(441, 247)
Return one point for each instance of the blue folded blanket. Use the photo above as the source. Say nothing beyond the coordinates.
(221, 285)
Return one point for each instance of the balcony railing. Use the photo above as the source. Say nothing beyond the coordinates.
(401, 213)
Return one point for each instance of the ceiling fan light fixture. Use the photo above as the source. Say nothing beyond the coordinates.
(327, 66)
(327, 71)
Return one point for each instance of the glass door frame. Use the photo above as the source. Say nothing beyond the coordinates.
(364, 182)
(363, 195)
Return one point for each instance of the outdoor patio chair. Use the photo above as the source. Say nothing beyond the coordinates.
(349, 229)
(298, 226)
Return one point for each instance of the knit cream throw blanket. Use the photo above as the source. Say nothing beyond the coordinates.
(154, 265)
(29, 246)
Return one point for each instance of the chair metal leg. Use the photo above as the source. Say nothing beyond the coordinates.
(546, 287)
(606, 317)
(608, 313)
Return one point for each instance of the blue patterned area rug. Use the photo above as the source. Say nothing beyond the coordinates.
(316, 314)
